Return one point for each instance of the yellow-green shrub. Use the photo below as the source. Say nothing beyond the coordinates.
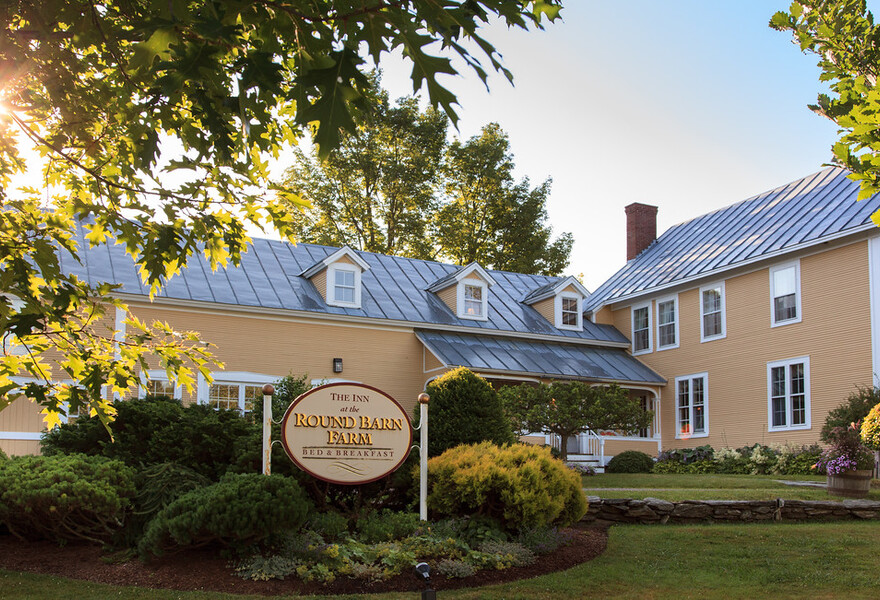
(871, 429)
(519, 485)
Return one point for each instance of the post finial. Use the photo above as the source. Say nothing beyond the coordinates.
(268, 389)
(423, 398)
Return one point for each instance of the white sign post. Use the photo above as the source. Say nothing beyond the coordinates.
(268, 391)
(423, 456)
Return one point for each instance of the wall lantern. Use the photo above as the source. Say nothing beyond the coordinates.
(337, 365)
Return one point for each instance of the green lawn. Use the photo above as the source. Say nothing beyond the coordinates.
(724, 562)
(706, 487)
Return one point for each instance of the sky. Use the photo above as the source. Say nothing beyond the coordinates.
(689, 105)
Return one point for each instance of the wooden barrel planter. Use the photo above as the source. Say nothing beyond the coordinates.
(852, 484)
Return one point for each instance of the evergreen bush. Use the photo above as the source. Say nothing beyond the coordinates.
(156, 430)
(519, 486)
(630, 461)
(853, 410)
(64, 498)
(464, 409)
(238, 511)
(158, 486)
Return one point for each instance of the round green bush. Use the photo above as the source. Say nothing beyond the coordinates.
(464, 409)
(631, 461)
(64, 498)
(238, 511)
(519, 486)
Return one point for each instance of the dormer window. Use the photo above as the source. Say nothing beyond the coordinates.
(560, 302)
(338, 278)
(465, 292)
(474, 299)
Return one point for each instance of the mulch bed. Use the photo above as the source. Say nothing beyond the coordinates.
(204, 570)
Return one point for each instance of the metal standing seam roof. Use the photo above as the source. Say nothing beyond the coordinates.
(553, 360)
(393, 288)
(804, 212)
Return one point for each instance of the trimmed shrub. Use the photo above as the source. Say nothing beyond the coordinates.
(631, 461)
(519, 486)
(238, 511)
(156, 430)
(853, 410)
(464, 409)
(3, 456)
(64, 498)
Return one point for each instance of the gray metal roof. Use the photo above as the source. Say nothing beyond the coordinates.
(393, 288)
(521, 356)
(816, 208)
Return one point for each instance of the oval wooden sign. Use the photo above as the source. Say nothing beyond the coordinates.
(346, 433)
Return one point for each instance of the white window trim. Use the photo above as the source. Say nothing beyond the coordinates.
(557, 306)
(232, 378)
(705, 377)
(157, 375)
(460, 299)
(658, 302)
(723, 334)
(797, 294)
(331, 285)
(632, 316)
(807, 403)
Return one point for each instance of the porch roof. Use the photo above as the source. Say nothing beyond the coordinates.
(515, 356)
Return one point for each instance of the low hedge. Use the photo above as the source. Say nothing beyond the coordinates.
(757, 459)
(64, 498)
(519, 486)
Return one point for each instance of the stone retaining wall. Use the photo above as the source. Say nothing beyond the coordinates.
(653, 510)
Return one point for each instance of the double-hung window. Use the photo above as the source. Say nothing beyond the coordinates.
(667, 323)
(785, 294)
(788, 390)
(712, 320)
(641, 329)
(472, 297)
(473, 300)
(344, 286)
(567, 307)
(570, 311)
(690, 406)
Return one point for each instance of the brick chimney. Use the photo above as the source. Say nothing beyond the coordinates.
(641, 228)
